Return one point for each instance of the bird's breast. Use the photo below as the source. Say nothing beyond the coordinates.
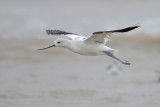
(85, 49)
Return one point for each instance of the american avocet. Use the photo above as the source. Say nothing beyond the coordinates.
(92, 46)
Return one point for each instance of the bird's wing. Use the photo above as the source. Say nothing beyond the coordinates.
(104, 36)
(69, 35)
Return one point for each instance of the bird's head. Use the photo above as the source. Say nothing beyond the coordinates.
(61, 42)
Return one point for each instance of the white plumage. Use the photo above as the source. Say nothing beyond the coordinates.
(92, 46)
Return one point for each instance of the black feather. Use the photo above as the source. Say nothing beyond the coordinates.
(119, 30)
(57, 32)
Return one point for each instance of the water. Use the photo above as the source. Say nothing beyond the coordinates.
(58, 77)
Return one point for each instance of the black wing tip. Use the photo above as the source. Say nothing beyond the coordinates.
(57, 32)
(120, 30)
(133, 27)
(98, 32)
(126, 29)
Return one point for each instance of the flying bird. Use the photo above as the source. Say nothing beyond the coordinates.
(92, 46)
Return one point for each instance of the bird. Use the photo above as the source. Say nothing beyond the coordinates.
(93, 45)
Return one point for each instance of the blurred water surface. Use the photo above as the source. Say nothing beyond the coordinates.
(57, 77)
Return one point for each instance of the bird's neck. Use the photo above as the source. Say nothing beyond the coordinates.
(67, 44)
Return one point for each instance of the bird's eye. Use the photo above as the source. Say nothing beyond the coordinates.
(58, 42)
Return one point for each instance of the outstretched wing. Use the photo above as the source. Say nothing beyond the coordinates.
(69, 35)
(104, 36)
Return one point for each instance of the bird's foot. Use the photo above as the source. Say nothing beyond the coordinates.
(126, 62)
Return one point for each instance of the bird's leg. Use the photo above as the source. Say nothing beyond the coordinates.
(122, 61)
